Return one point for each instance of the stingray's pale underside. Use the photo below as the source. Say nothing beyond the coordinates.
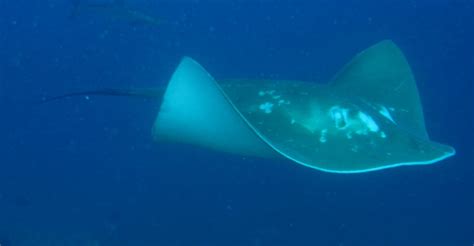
(368, 118)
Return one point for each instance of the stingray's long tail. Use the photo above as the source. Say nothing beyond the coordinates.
(152, 93)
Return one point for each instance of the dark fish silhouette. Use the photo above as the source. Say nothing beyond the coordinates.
(115, 10)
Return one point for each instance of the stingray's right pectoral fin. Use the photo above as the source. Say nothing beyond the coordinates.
(195, 110)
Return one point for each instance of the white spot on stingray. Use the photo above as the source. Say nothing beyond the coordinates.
(323, 137)
(266, 107)
(349, 135)
(355, 148)
(383, 111)
(383, 135)
(339, 116)
(292, 121)
(280, 102)
(270, 92)
(369, 122)
(361, 132)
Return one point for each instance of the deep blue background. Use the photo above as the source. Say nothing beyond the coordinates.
(80, 172)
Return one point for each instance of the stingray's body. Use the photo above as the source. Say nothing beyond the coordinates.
(368, 118)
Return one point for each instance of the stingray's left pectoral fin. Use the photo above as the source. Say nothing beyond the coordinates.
(381, 78)
(195, 110)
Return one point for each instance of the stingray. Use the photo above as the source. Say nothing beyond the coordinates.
(368, 117)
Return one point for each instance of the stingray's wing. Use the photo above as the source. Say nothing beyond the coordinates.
(195, 110)
(381, 76)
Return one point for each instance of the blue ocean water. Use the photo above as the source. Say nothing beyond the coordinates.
(86, 172)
